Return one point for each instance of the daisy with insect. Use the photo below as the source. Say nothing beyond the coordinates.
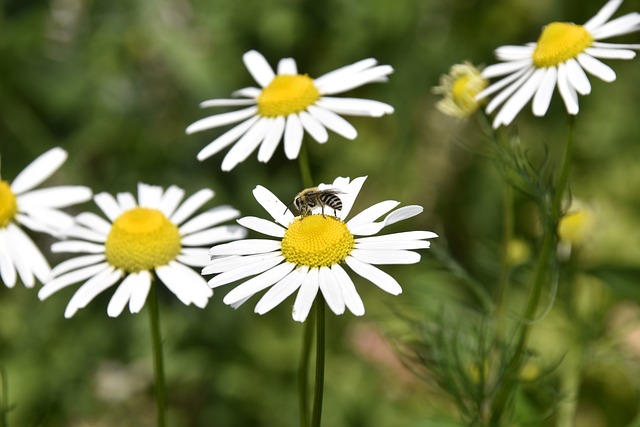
(310, 250)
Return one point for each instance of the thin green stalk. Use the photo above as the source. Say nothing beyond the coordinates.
(507, 236)
(504, 396)
(4, 401)
(320, 353)
(158, 360)
(305, 353)
(303, 370)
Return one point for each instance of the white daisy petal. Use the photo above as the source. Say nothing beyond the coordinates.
(519, 99)
(76, 263)
(126, 201)
(258, 67)
(350, 295)
(226, 102)
(615, 45)
(170, 200)
(407, 236)
(142, 285)
(121, 296)
(504, 68)
(391, 244)
(330, 288)
(375, 276)
(94, 222)
(313, 127)
(385, 257)
(227, 263)
(27, 258)
(352, 81)
(222, 233)
(355, 106)
(293, 134)
(287, 66)
(249, 92)
(108, 204)
(278, 210)
(258, 283)
(351, 191)
(195, 258)
(339, 73)
(271, 141)
(281, 290)
(86, 234)
(372, 213)
(192, 204)
(610, 53)
(246, 145)
(334, 122)
(54, 197)
(7, 270)
(514, 53)
(149, 196)
(90, 289)
(245, 247)
(39, 170)
(620, 26)
(262, 226)
(502, 83)
(542, 98)
(75, 276)
(244, 271)
(209, 218)
(603, 15)
(45, 220)
(186, 284)
(226, 139)
(400, 214)
(306, 296)
(567, 92)
(577, 77)
(74, 246)
(502, 96)
(221, 119)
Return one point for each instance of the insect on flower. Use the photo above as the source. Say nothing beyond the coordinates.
(309, 198)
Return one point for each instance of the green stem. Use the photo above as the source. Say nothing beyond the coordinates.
(158, 361)
(504, 396)
(507, 236)
(305, 167)
(303, 370)
(4, 401)
(320, 353)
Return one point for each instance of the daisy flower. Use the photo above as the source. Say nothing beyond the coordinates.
(309, 253)
(560, 58)
(459, 89)
(288, 104)
(21, 205)
(150, 235)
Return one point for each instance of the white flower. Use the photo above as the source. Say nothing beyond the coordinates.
(310, 252)
(560, 58)
(37, 210)
(287, 104)
(141, 237)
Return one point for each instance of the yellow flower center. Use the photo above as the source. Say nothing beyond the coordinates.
(559, 42)
(287, 94)
(8, 205)
(464, 90)
(317, 241)
(142, 239)
(575, 227)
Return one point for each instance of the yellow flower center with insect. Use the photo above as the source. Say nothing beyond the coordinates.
(142, 239)
(8, 205)
(287, 94)
(559, 42)
(317, 241)
(464, 90)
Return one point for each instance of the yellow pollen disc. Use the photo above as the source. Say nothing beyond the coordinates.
(317, 241)
(142, 239)
(559, 42)
(576, 227)
(8, 205)
(287, 94)
(465, 89)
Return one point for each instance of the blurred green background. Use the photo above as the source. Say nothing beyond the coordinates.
(115, 83)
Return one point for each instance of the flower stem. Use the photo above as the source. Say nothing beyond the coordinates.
(320, 353)
(303, 370)
(549, 241)
(507, 235)
(158, 361)
(305, 167)
(4, 401)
